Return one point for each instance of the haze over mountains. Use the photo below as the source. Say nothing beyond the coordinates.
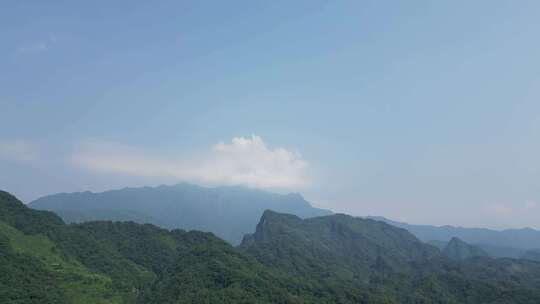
(228, 212)
(506, 243)
(232, 212)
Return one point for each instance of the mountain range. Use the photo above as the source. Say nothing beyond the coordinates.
(355, 260)
(512, 243)
(228, 212)
(232, 212)
(327, 259)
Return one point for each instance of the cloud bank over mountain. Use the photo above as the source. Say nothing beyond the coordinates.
(243, 161)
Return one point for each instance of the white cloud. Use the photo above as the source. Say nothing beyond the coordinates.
(18, 151)
(243, 161)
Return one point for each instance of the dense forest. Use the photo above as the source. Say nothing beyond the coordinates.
(327, 259)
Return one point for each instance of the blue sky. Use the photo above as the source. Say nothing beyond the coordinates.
(422, 111)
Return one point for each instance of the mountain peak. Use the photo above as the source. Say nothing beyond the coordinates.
(459, 250)
(274, 215)
(349, 242)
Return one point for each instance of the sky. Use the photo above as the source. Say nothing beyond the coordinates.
(420, 111)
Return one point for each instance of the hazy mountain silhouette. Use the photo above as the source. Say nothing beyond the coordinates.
(228, 212)
(504, 243)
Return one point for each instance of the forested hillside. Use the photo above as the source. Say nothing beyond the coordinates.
(107, 262)
(329, 259)
(126, 262)
(458, 250)
(353, 259)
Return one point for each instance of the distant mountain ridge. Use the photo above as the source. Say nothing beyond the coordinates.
(503, 243)
(228, 212)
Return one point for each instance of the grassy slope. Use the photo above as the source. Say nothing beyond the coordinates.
(78, 283)
(81, 268)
